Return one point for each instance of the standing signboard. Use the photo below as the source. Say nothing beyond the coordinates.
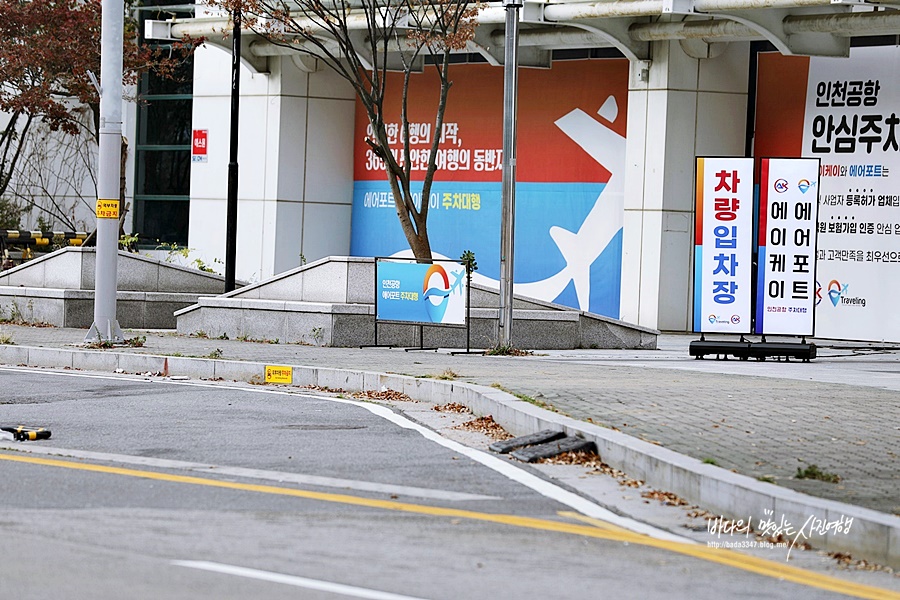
(723, 245)
(788, 212)
(420, 293)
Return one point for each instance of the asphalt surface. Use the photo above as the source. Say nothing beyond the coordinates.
(115, 508)
(839, 413)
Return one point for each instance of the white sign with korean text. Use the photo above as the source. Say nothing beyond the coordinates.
(852, 124)
(788, 209)
(723, 245)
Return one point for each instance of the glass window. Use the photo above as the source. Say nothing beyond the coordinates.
(165, 122)
(163, 152)
(159, 221)
(163, 173)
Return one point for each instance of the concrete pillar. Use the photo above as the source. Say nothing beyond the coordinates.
(680, 108)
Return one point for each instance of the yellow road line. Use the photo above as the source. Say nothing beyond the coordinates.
(592, 521)
(717, 555)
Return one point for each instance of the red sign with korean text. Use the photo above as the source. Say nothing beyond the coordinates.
(199, 144)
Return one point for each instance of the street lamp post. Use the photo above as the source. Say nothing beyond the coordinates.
(105, 327)
(508, 201)
(232, 202)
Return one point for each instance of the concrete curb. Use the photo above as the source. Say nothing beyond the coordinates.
(825, 524)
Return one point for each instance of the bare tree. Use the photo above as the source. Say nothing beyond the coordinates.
(363, 41)
(55, 178)
(47, 49)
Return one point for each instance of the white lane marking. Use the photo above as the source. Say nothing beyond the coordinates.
(279, 476)
(303, 582)
(507, 469)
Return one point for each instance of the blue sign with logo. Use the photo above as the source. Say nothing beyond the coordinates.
(420, 293)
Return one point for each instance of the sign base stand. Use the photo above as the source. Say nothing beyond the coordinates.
(421, 342)
(745, 349)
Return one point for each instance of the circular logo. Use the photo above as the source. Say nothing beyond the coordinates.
(803, 185)
(735, 319)
(781, 186)
(712, 318)
(436, 292)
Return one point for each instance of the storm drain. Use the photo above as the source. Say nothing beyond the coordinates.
(543, 444)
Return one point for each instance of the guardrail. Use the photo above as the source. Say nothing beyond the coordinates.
(27, 241)
(40, 238)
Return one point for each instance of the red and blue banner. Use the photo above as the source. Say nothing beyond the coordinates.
(723, 245)
(570, 171)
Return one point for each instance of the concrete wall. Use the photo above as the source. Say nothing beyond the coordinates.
(75, 269)
(688, 107)
(295, 166)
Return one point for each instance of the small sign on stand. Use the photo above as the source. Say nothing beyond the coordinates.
(426, 294)
(785, 282)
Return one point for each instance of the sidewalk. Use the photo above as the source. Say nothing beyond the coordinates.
(765, 420)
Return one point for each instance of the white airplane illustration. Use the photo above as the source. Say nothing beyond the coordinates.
(580, 249)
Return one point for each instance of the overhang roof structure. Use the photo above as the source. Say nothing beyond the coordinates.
(793, 27)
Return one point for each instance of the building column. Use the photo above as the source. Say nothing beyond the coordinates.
(296, 171)
(679, 108)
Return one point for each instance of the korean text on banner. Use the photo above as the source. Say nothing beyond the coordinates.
(788, 209)
(723, 245)
(852, 125)
(421, 293)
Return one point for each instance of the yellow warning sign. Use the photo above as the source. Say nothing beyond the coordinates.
(107, 209)
(279, 374)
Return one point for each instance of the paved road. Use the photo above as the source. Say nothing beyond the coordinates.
(164, 490)
(762, 419)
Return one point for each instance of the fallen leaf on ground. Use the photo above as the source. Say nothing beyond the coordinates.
(452, 407)
(487, 426)
(392, 395)
(667, 498)
(582, 458)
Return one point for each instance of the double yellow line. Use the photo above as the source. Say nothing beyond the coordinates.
(593, 528)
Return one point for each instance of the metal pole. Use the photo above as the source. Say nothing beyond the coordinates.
(105, 326)
(232, 204)
(468, 309)
(508, 202)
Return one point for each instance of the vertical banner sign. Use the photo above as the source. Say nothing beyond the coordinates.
(199, 144)
(788, 213)
(723, 245)
(421, 293)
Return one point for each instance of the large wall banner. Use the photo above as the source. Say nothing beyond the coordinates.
(788, 209)
(845, 112)
(723, 245)
(570, 171)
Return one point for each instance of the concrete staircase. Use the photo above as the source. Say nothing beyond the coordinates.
(58, 289)
(331, 302)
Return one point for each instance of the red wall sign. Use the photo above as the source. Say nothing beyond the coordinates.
(198, 145)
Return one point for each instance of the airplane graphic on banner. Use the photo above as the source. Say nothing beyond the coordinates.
(569, 193)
